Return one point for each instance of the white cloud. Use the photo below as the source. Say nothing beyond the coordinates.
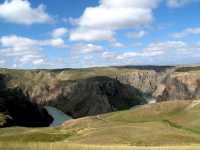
(21, 12)
(198, 44)
(152, 50)
(117, 45)
(15, 41)
(137, 35)
(2, 62)
(178, 3)
(87, 48)
(112, 15)
(162, 53)
(21, 42)
(23, 49)
(38, 61)
(91, 35)
(31, 58)
(59, 32)
(26, 50)
(58, 43)
(166, 46)
(109, 55)
(187, 32)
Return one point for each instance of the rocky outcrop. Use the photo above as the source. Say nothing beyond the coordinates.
(94, 96)
(181, 86)
(145, 81)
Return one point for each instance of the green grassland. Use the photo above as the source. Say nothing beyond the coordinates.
(163, 124)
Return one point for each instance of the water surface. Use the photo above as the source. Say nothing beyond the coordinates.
(58, 116)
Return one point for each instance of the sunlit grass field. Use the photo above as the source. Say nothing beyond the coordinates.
(71, 146)
(167, 125)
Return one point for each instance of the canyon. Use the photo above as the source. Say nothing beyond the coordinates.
(93, 91)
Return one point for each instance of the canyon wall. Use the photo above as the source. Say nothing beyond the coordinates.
(83, 92)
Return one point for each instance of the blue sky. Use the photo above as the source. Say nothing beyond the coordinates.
(88, 33)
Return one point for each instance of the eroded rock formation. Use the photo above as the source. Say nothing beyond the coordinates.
(94, 91)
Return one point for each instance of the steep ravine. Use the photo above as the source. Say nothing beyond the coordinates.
(85, 92)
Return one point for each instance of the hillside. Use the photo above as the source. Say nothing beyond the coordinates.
(162, 124)
(167, 123)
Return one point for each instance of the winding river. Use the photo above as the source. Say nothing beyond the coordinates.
(58, 116)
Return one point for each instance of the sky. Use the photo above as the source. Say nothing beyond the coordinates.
(89, 33)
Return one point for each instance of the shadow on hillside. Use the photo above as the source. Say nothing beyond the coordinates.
(188, 69)
(2, 82)
(148, 67)
(19, 110)
(96, 95)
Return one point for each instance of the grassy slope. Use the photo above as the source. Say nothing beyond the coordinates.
(163, 124)
(2, 119)
(70, 146)
(168, 123)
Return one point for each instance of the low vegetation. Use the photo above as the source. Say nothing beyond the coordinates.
(2, 119)
(164, 124)
(70, 146)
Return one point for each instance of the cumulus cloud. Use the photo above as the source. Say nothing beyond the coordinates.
(2, 62)
(26, 50)
(166, 46)
(114, 18)
(152, 50)
(91, 35)
(178, 3)
(117, 45)
(113, 15)
(59, 32)
(57, 43)
(87, 48)
(21, 12)
(137, 35)
(187, 32)
(198, 44)
(15, 41)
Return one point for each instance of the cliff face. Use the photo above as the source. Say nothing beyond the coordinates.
(92, 96)
(18, 110)
(94, 91)
(181, 86)
(145, 81)
(173, 83)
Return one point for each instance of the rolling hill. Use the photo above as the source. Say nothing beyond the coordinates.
(162, 124)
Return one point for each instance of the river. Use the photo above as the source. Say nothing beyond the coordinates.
(58, 116)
